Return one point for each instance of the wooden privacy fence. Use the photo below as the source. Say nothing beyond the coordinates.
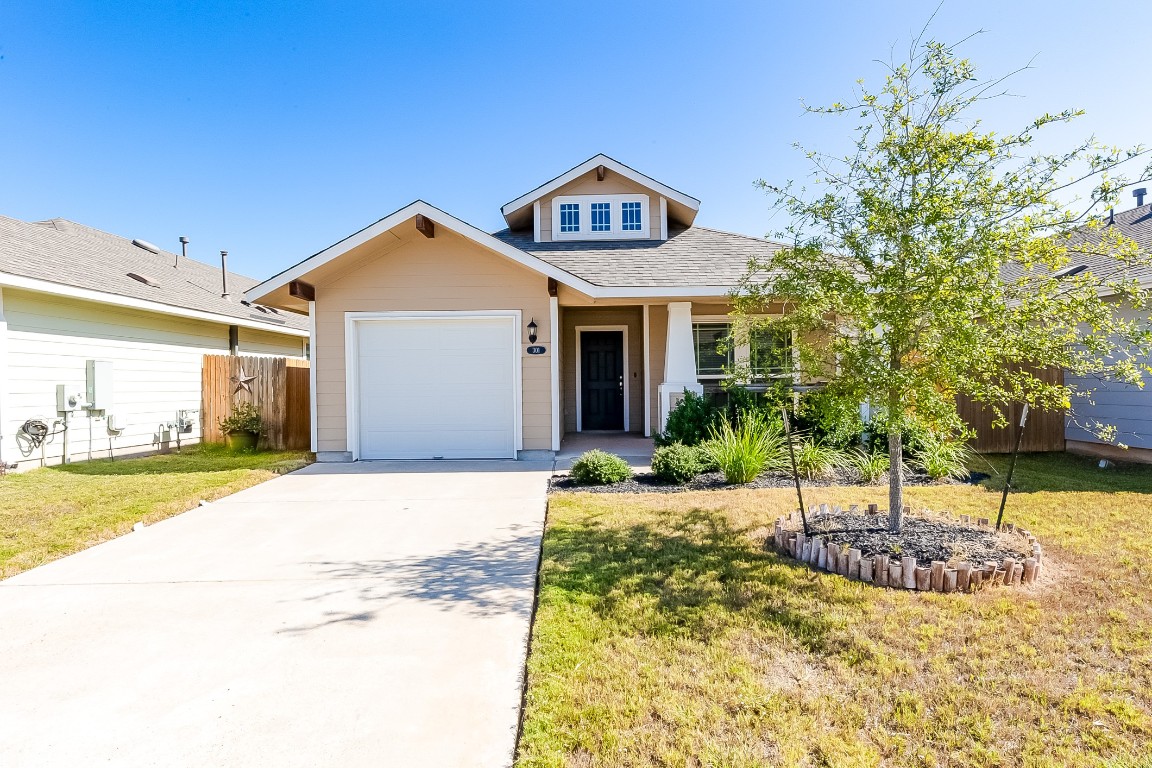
(1044, 433)
(277, 386)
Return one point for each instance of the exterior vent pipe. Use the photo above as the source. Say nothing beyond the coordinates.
(1139, 195)
(183, 250)
(224, 275)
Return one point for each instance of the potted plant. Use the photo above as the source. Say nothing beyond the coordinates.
(242, 428)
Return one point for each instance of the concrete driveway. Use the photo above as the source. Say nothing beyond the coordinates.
(370, 614)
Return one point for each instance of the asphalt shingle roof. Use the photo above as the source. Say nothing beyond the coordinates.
(1135, 223)
(692, 256)
(64, 252)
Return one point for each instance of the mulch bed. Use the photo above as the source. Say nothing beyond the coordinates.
(646, 482)
(926, 538)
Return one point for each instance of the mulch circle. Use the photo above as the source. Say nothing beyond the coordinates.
(925, 538)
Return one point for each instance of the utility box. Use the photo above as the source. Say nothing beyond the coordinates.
(99, 385)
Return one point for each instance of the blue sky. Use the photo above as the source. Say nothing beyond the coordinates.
(273, 129)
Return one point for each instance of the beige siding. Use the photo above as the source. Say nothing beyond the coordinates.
(613, 184)
(156, 361)
(626, 316)
(445, 273)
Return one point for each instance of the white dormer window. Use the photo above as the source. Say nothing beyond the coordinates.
(600, 217)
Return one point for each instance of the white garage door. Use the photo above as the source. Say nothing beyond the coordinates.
(437, 388)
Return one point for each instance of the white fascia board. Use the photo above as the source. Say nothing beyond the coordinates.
(659, 292)
(610, 164)
(440, 218)
(87, 294)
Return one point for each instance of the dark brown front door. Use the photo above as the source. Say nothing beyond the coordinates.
(602, 379)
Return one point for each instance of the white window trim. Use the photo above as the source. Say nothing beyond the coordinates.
(743, 352)
(580, 374)
(352, 322)
(616, 211)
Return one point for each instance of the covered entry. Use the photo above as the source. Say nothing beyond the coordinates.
(434, 385)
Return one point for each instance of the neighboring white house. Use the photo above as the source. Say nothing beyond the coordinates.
(122, 326)
(1126, 407)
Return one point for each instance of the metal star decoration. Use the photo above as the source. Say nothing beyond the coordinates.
(243, 382)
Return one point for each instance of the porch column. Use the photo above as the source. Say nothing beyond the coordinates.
(679, 360)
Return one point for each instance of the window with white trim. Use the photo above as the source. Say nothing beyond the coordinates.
(601, 217)
(569, 217)
(630, 220)
(766, 355)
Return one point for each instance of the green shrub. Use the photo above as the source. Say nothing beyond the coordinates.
(676, 463)
(244, 418)
(744, 450)
(689, 422)
(817, 460)
(596, 467)
(941, 457)
(868, 466)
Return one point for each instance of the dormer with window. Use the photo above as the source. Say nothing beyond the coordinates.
(601, 217)
(601, 199)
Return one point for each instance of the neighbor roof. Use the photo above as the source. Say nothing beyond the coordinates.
(70, 254)
(1135, 223)
(692, 256)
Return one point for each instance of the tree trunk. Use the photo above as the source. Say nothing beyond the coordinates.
(896, 472)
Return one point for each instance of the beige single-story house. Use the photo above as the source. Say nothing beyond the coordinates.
(102, 340)
(594, 310)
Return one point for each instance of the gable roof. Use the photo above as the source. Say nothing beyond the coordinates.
(379, 227)
(61, 256)
(509, 209)
(709, 261)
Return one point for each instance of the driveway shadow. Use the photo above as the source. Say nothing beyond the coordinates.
(484, 579)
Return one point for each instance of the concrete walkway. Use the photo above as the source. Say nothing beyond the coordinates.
(371, 614)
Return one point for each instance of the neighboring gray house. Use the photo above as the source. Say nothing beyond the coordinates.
(1126, 407)
(70, 294)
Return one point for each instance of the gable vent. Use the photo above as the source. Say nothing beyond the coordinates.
(142, 279)
(146, 246)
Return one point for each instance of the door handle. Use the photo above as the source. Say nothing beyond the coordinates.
(621, 382)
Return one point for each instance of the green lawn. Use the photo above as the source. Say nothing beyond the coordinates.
(667, 636)
(52, 512)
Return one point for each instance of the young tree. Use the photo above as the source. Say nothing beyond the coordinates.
(939, 259)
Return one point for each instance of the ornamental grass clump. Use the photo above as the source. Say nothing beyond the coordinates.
(597, 467)
(745, 449)
(815, 460)
(868, 466)
(676, 463)
(941, 458)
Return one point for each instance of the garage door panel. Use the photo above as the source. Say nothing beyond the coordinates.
(437, 387)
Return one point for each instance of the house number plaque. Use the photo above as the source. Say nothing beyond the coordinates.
(537, 350)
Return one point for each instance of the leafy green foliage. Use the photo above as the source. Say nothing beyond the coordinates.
(689, 422)
(598, 467)
(834, 420)
(676, 463)
(868, 466)
(244, 418)
(941, 457)
(932, 261)
(745, 449)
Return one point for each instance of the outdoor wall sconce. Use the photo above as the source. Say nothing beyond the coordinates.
(532, 328)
